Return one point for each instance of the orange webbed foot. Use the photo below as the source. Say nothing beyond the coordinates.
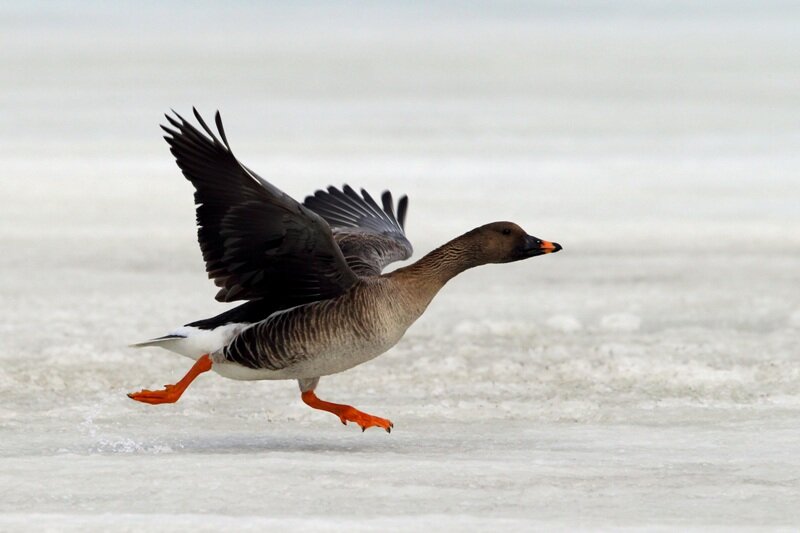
(347, 413)
(351, 414)
(167, 395)
(172, 393)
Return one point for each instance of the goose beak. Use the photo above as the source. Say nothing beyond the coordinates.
(549, 247)
(534, 247)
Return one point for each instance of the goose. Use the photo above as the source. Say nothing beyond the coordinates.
(315, 299)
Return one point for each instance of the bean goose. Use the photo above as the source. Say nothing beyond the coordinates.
(316, 302)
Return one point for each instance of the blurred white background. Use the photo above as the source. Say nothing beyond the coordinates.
(647, 375)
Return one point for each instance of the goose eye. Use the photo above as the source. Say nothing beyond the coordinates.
(506, 231)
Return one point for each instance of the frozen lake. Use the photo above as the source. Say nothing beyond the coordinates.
(647, 376)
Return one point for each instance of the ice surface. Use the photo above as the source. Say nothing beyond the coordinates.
(647, 376)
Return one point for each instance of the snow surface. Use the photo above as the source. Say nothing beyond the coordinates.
(648, 376)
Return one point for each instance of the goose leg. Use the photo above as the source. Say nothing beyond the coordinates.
(346, 413)
(171, 393)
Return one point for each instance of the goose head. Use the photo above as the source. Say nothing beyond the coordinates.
(504, 242)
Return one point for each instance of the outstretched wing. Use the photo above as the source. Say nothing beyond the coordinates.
(369, 236)
(257, 242)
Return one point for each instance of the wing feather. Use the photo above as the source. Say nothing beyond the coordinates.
(257, 242)
(369, 235)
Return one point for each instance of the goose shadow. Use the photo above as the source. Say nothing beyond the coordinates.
(255, 443)
(244, 443)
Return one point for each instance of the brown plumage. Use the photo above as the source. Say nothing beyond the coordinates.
(317, 303)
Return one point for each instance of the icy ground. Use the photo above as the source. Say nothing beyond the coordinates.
(647, 376)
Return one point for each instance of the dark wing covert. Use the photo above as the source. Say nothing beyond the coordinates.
(370, 236)
(257, 242)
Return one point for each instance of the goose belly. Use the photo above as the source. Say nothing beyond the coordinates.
(339, 357)
(302, 344)
(322, 362)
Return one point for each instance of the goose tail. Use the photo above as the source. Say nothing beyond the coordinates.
(162, 342)
(194, 342)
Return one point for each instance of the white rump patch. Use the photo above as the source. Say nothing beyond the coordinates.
(195, 342)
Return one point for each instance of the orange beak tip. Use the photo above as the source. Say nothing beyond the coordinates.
(550, 247)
